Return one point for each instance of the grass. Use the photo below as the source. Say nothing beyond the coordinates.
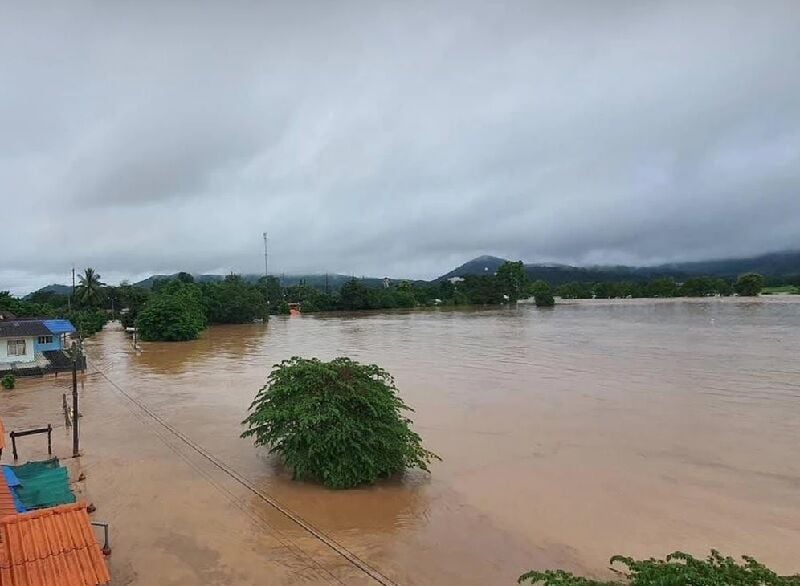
(782, 290)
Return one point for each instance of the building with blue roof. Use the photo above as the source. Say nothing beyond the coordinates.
(57, 339)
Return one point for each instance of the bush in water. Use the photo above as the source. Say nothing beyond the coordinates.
(679, 569)
(339, 422)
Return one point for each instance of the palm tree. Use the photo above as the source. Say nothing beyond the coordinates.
(89, 292)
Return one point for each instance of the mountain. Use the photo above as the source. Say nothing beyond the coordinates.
(769, 265)
(482, 265)
(65, 290)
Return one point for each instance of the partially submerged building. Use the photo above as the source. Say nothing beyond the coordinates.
(34, 346)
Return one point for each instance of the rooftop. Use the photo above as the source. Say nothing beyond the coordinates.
(23, 328)
(51, 547)
(59, 326)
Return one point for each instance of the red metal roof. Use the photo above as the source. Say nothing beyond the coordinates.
(6, 500)
(51, 547)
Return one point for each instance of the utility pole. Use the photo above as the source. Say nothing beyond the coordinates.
(75, 412)
(69, 300)
(266, 258)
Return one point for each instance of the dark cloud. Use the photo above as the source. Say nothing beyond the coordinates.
(394, 138)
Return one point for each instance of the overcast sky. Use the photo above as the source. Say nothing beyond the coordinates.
(393, 138)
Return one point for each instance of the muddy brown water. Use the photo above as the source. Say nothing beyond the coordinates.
(567, 435)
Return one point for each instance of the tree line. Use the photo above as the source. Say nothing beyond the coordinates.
(747, 285)
(180, 308)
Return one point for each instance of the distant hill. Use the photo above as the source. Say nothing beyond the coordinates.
(54, 288)
(769, 265)
(482, 265)
(776, 264)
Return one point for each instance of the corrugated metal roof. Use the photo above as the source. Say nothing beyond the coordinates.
(22, 328)
(59, 326)
(7, 504)
(51, 547)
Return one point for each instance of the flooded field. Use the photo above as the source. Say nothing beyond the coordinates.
(635, 427)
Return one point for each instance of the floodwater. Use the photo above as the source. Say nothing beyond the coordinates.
(567, 435)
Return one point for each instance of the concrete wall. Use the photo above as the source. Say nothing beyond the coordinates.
(29, 350)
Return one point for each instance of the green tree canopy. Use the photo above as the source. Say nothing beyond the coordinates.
(542, 294)
(749, 285)
(173, 314)
(354, 295)
(512, 280)
(233, 301)
(340, 423)
(89, 291)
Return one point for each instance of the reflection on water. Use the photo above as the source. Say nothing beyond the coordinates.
(603, 427)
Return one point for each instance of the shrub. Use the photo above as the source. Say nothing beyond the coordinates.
(679, 569)
(88, 321)
(8, 382)
(542, 294)
(339, 422)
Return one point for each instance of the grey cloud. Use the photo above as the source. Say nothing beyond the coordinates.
(385, 138)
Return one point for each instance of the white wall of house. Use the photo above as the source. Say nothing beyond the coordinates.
(27, 357)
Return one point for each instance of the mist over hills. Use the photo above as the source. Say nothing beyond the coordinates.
(770, 265)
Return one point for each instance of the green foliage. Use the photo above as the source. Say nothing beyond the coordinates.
(8, 382)
(25, 308)
(339, 422)
(542, 294)
(88, 321)
(574, 290)
(233, 301)
(49, 298)
(89, 292)
(310, 299)
(272, 292)
(175, 313)
(354, 295)
(749, 285)
(678, 569)
(132, 300)
(512, 279)
(662, 287)
(698, 287)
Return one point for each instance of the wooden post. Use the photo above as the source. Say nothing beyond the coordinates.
(75, 417)
(65, 406)
(49, 440)
(14, 446)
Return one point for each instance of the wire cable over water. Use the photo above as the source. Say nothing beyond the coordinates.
(288, 513)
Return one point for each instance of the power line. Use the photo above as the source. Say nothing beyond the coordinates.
(291, 515)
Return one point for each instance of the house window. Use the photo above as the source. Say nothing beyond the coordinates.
(45, 339)
(16, 348)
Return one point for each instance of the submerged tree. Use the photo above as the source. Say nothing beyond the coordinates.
(340, 423)
(512, 279)
(173, 314)
(749, 285)
(542, 294)
(679, 569)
